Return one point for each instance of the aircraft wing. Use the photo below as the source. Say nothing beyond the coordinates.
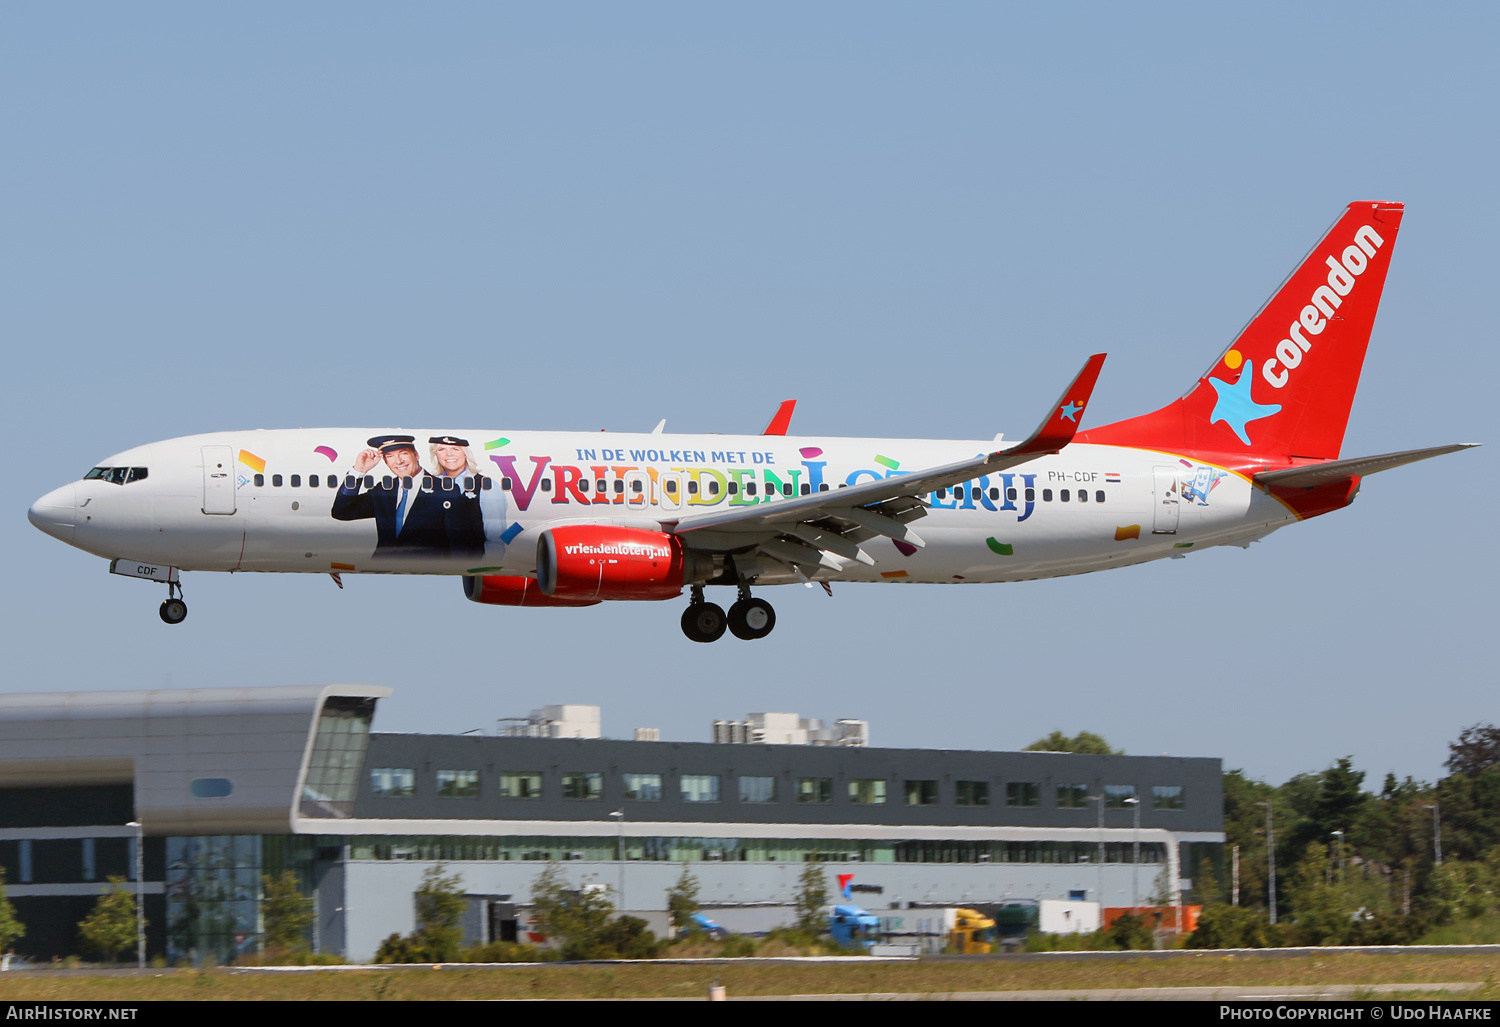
(1336, 470)
(837, 520)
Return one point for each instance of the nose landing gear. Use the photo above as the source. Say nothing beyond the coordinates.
(173, 610)
(748, 618)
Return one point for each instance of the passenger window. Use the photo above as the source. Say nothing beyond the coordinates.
(786, 490)
(734, 488)
(823, 487)
(671, 488)
(601, 485)
(583, 486)
(619, 486)
(369, 481)
(1046, 495)
(296, 481)
(692, 488)
(1099, 496)
(637, 486)
(994, 493)
(749, 488)
(406, 482)
(1063, 495)
(1010, 494)
(312, 481)
(942, 493)
(1083, 495)
(806, 490)
(276, 481)
(469, 483)
(1030, 495)
(546, 484)
(387, 482)
(713, 488)
(350, 481)
(260, 480)
(485, 484)
(504, 484)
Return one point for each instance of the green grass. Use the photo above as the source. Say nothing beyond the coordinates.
(752, 978)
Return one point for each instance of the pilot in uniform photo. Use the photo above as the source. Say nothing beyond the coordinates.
(409, 517)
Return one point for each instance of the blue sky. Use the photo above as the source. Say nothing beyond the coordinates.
(915, 220)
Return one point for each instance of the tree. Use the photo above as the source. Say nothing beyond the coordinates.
(10, 927)
(112, 925)
(812, 897)
(1085, 742)
(1477, 748)
(579, 916)
(440, 912)
(682, 900)
(286, 912)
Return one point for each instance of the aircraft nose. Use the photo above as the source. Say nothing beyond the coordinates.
(56, 513)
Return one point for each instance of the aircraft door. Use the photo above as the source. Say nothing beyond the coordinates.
(1166, 496)
(218, 479)
(637, 487)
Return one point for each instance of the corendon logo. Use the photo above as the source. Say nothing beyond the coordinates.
(1325, 300)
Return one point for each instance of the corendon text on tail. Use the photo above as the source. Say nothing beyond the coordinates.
(557, 519)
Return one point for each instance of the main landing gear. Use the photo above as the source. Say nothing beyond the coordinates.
(173, 610)
(748, 618)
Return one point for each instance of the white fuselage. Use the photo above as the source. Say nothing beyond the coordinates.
(227, 502)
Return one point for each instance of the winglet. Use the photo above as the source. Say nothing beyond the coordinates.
(1062, 421)
(783, 419)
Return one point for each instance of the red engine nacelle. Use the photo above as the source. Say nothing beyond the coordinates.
(513, 590)
(600, 561)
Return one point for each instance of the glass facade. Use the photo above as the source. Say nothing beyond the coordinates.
(343, 735)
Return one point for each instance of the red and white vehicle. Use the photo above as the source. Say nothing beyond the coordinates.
(574, 519)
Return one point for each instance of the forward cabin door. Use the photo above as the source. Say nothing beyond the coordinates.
(1165, 521)
(218, 479)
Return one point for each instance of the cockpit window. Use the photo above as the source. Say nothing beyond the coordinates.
(116, 475)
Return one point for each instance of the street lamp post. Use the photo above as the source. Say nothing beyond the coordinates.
(1099, 799)
(1135, 857)
(1437, 835)
(619, 819)
(1270, 857)
(1339, 834)
(140, 909)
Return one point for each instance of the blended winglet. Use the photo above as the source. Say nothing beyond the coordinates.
(783, 419)
(1061, 423)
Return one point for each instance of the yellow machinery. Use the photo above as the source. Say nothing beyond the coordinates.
(969, 932)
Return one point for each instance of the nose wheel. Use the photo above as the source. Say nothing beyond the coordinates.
(173, 610)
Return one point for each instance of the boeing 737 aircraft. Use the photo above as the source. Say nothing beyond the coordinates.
(555, 519)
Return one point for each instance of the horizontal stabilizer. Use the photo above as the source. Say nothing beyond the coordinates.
(1336, 470)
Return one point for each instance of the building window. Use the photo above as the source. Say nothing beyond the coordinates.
(757, 789)
(867, 792)
(972, 793)
(814, 789)
(1022, 793)
(333, 772)
(921, 793)
(1115, 796)
(700, 787)
(211, 787)
(1072, 796)
(521, 784)
(1166, 797)
(580, 785)
(643, 787)
(393, 783)
(90, 863)
(458, 784)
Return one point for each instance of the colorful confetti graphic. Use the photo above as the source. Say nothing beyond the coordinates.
(904, 548)
(328, 451)
(252, 461)
(809, 452)
(497, 443)
(1128, 532)
(886, 461)
(1002, 548)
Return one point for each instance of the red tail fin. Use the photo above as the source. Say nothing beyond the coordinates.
(1284, 387)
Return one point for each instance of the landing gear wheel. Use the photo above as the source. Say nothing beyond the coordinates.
(173, 611)
(751, 618)
(703, 622)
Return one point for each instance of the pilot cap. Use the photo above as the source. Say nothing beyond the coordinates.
(448, 440)
(385, 443)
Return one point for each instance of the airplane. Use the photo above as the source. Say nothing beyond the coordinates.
(532, 519)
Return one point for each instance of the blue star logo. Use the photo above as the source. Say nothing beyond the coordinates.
(1235, 407)
(1071, 411)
